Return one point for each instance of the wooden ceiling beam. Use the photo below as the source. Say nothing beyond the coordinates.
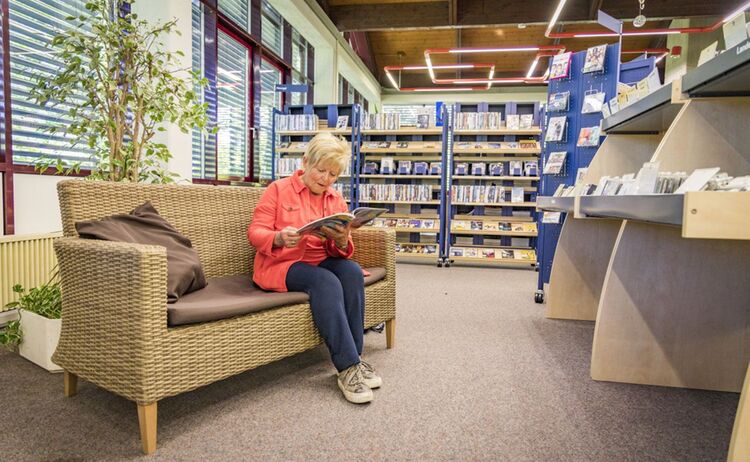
(452, 12)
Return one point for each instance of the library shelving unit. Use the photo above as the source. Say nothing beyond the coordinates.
(417, 221)
(294, 141)
(498, 232)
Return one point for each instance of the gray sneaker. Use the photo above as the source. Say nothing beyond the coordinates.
(371, 379)
(352, 384)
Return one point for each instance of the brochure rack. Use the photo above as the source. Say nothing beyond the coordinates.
(552, 234)
(495, 232)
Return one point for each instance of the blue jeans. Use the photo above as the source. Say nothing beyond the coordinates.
(337, 299)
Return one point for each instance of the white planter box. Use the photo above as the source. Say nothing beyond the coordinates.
(40, 337)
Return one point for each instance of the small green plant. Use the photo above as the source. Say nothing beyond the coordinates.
(45, 300)
(11, 336)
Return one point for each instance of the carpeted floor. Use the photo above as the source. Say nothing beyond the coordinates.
(478, 373)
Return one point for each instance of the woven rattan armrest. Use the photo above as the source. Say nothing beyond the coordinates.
(114, 310)
(375, 247)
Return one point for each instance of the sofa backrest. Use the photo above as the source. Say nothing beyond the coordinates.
(214, 218)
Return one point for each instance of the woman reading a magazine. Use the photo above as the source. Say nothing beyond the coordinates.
(317, 264)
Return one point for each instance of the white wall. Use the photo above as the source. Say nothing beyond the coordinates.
(333, 56)
(516, 94)
(36, 210)
(179, 144)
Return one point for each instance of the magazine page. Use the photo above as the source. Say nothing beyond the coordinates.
(330, 221)
(363, 215)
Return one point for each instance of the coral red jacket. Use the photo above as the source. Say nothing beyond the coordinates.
(286, 202)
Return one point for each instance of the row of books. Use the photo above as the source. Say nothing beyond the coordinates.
(382, 121)
(474, 146)
(296, 122)
(344, 188)
(413, 223)
(286, 166)
(493, 254)
(479, 225)
(405, 167)
(515, 168)
(488, 194)
(395, 192)
(416, 248)
(478, 120)
(401, 145)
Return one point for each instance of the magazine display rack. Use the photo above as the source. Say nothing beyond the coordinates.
(398, 170)
(288, 144)
(576, 86)
(492, 184)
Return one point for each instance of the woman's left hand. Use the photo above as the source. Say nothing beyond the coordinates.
(339, 234)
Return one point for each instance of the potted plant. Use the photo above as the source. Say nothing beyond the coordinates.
(121, 86)
(37, 331)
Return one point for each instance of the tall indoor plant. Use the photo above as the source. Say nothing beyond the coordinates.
(122, 86)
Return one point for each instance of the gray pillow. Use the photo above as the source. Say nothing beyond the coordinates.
(144, 225)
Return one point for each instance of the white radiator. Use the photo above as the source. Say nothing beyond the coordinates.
(27, 260)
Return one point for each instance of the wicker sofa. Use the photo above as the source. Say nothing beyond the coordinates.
(115, 332)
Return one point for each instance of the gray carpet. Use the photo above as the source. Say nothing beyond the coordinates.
(478, 373)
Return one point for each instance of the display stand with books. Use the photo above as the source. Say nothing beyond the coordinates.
(492, 184)
(669, 310)
(295, 126)
(573, 98)
(401, 168)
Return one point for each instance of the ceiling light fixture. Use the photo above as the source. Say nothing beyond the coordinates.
(532, 69)
(555, 16)
(736, 12)
(640, 20)
(491, 50)
(393, 81)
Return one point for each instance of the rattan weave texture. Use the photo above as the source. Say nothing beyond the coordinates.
(114, 329)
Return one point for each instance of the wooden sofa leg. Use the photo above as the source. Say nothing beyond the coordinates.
(71, 383)
(147, 422)
(390, 333)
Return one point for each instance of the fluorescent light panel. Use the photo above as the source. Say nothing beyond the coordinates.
(532, 68)
(736, 12)
(555, 16)
(393, 81)
(491, 50)
(442, 89)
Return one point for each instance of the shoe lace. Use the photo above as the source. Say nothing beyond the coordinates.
(366, 367)
(354, 377)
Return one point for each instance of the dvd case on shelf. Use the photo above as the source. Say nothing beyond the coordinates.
(556, 128)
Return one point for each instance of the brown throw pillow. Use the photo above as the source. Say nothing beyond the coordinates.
(144, 225)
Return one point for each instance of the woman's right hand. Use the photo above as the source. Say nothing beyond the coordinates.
(287, 237)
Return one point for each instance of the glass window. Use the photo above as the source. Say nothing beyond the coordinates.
(299, 53)
(270, 75)
(238, 11)
(271, 29)
(33, 23)
(232, 110)
(202, 167)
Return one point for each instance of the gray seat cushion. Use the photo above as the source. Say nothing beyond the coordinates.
(230, 296)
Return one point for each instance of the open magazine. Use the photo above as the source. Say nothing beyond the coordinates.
(356, 217)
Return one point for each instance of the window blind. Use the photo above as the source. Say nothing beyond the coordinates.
(232, 114)
(237, 11)
(33, 23)
(269, 99)
(271, 29)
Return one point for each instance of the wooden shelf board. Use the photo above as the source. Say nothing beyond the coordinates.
(497, 178)
(412, 158)
(490, 261)
(407, 255)
(469, 232)
(402, 177)
(556, 204)
(400, 202)
(313, 132)
(501, 204)
(399, 151)
(426, 216)
(496, 158)
(502, 131)
(498, 151)
(498, 218)
(417, 230)
(716, 215)
(406, 131)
